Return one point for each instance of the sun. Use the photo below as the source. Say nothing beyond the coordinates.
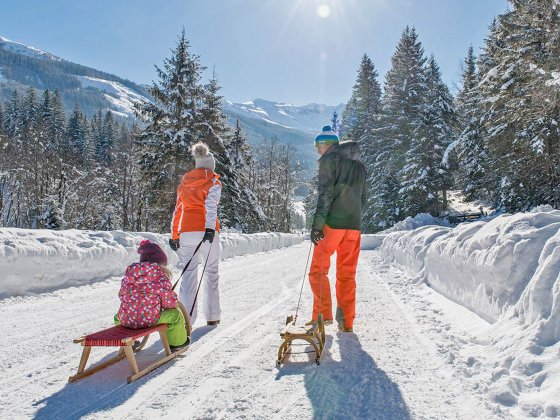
(324, 11)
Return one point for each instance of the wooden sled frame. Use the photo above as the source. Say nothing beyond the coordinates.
(127, 351)
(313, 334)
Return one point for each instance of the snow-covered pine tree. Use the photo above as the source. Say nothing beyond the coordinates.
(470, 148)
(78, 137)
(172, 123)
(106, 138)
(403, 105)
(366, 109)
(424, 177)
(241, 157)
(348, 119)
(468, 84)
(52, 216)
(335, 122)
(519, 116)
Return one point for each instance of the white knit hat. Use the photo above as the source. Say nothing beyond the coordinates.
(202, 156)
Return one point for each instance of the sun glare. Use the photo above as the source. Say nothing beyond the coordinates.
(324, 11)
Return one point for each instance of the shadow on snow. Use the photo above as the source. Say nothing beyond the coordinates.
(107, 388)
(353, 387)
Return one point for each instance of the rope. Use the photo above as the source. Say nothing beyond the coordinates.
(303, 282)
(201, 276)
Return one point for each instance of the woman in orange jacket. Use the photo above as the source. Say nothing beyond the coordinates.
(195, 219)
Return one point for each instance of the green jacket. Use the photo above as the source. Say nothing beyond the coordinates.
(341, 188)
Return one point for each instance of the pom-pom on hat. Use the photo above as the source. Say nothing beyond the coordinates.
(150, 252)
(327, 136)
(202, 156)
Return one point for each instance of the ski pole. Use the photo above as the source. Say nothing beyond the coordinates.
(303, 282)
(200, 281)
(187, 266)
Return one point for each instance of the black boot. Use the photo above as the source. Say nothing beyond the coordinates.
(185, 344)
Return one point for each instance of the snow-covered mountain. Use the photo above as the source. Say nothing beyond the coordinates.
(22, 49)
(309, 117)
(23, 66)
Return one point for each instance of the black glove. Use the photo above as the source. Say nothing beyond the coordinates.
(316, 236)
(174, 244)
(209, 235)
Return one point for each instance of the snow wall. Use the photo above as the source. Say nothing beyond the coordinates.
(34, 261)
(505, 267)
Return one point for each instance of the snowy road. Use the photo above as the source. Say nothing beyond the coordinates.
(393, 367)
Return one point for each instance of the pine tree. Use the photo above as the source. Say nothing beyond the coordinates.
(78, 137)
(362, 125)
(172, 124)
(471, 150)
(423, 174)
(468, 84)
(335, 122)
(403, 102)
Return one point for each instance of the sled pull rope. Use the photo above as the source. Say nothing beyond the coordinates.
(201, 276)
(303, 282)
(187, 265)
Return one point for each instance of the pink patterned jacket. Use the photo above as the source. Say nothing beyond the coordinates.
(145, 292)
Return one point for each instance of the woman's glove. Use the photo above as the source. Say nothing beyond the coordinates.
(174, 244)
(209, 235)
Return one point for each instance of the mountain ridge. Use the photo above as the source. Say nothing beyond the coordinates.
(23, 66)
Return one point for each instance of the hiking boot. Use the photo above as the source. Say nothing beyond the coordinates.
(213, 322)
(179, 347)
(342, 328)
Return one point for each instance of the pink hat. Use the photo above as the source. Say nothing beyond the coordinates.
(150, 252)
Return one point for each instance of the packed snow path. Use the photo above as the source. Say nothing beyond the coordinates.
(389, 369)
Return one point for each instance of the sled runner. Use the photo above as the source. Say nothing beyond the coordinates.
(313, 334)
(122, 337)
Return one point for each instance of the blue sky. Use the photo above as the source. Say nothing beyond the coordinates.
(296, 51)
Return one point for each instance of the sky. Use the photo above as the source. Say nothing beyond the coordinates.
(293, 51)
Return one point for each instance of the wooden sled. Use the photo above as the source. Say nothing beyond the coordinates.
(313, 334)
(124, 338)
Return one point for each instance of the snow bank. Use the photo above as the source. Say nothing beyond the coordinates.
(507, 271)
(501, 268)
(374, 241)
(421, 219)
(370, 242)
(33, 261)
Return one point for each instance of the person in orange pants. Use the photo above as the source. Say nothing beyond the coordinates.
(336, 227)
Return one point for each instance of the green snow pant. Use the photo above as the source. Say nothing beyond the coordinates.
(176, 332)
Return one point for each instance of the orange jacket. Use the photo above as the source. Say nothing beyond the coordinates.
(198, 196)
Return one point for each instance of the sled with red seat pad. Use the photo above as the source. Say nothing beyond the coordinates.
(124, 338)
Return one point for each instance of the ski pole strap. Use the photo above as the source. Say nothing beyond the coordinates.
(200, 281)
(187, 265)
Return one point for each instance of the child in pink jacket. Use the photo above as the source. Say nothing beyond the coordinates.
(146, 296)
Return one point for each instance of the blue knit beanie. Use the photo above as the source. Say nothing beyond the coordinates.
(327, 136)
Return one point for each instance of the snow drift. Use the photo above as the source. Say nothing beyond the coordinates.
(373, 241)
(505, 267)
(33, 261)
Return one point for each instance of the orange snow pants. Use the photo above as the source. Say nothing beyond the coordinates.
(346, 244)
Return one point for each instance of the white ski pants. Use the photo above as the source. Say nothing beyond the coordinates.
(189, 282)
